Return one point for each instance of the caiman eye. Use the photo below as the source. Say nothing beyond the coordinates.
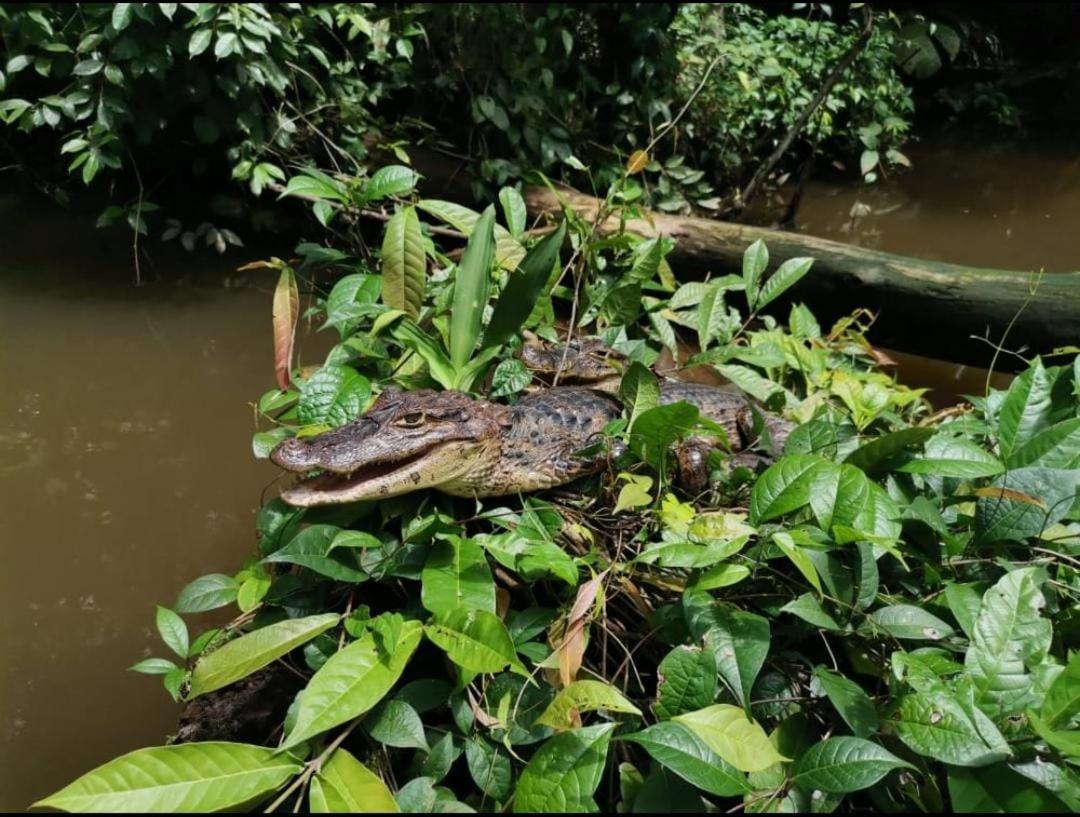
(411, 420)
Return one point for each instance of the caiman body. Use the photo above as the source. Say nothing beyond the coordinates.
(464, 446)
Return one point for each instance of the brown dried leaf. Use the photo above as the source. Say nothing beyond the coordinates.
(286, 312)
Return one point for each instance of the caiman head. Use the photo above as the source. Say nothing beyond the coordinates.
(406, 441)
(579, 360)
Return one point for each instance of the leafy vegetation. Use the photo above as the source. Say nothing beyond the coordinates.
(137, 95)
(884, 618)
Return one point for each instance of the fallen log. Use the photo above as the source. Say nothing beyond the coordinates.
(926, 307)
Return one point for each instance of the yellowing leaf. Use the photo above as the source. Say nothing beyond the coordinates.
(737, 739)
(637, 162)
(635, 494)
(583, 696)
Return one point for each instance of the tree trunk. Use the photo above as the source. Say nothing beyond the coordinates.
(926, 307)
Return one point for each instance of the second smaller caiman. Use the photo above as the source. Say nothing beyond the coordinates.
(471, 447)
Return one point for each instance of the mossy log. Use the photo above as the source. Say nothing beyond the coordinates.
(923, 306)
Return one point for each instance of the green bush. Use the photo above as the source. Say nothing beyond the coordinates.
(884, 619)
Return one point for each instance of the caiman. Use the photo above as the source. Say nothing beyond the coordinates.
(471, 447)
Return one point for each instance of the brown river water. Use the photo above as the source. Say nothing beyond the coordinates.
(125, 420)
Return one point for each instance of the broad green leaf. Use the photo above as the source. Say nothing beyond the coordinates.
(490, 767)
(679, 749)
(207, 593)
(688, 681)
(634, 493)
(844, 764)
(639, 390)
(508, 250)
(312, 183)
(471, 286)
(786, 276)
(563, 774)
(476, 640)
(1062, 701)
(809, 609)
(352, 297)
(907, 621)
(413, 337)
(343, 784)
(173, 631)
(253, 651)
(741, 643)
(315, 548)
(754, 384)
(999, 789)
(396, 723)
(351, 683)
(1055, 447)
(212, 776)
(737, 739)
(646, 263)
(937, 725)
(713, 317)
(514, 212)
(948, 456)
(1022, 503)
(754, 263)
(721, 576)
(799, 558)
(334, 395)
(154, 666)
(580, 697)
(1010, 635)
(877, 454)
(964, 602)
(1026, 409)
(1065, 741)
(457, 575)
(523, 288)
(200, 41)
(403, 263)
(391, 180)
(784, 487)
(510, 377)
(850, 700)
(656, 429)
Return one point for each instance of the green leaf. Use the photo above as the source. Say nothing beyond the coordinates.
(935, 724)
(679, 749)
(964, 602)
(799, 558)
(514, 211)
(391, 180)
(809, 609)
(352, 297)
(999, 789)
(741, 642)
(343, 784)
(457, 576)
(471, 286)
(737, 739)
(948, 456)
(1065, 741)
(639, 390)
(509, 377)
(490, 767)
(403, 263)
(784, 487)
(853, 704)
(713, 317)
(907, 621)
(563, 774)
(755, 261)
(200, 41)
(786, 276)
(656, 429)
(315, 548)
(523, 288)
(211, 776)
(689, 681)
(1010, 635)
(1026, 409)
(1062, 702)
(207, 593)
(1022, 503)
(253, 651)
(351, 683)
(396, 723)
(844, 764)
(1055, 447)
(312, 183)
(334, 395)
(879, 452)
(226, 44)
(173, 631)
(413, 337)
(154, 666)
(87, 68)
(580, 697)
(474, 639)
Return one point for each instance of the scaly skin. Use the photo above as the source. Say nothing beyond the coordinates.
(463, 446)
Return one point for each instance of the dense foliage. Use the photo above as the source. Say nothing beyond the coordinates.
(141, 96)
(883, 619)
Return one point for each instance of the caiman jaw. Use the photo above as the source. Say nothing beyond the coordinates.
(440, 463)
